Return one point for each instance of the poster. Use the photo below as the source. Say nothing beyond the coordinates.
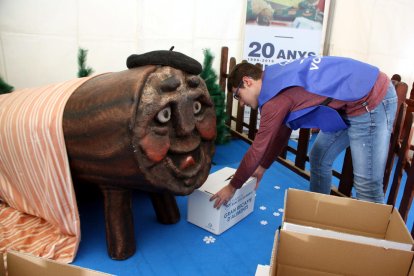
(282, 30)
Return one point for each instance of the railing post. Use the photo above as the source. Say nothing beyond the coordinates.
(402, 159)
(229, 97)
(223, 68)
(252, 124)
(408, 194)
(412, 92)
(302, 149)
(240, 118)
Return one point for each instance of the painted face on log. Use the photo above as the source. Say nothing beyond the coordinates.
(173, 137)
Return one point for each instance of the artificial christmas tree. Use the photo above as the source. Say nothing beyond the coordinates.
(83, 70)
(218, 97)
(4, 87)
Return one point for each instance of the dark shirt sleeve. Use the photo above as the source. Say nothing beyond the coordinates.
(279, 142)
(270, 139)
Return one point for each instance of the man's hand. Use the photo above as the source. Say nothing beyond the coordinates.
(223, 196)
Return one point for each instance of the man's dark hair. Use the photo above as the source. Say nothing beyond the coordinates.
(239, 71)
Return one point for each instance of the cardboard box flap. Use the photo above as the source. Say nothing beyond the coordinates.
(218, 180)
(333, 256)
(395, 232)
(345, 236)
(19, 264)
(336, 213)
(215, 180)
(286, 270)
(277, 269)
(273, 262)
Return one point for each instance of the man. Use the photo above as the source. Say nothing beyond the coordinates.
(352, 103)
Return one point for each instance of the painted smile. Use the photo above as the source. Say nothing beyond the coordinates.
(185, 165)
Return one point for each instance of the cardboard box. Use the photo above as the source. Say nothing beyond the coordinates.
(202, 213)
(328, 235)
(345, 215)
(304, 254)
(20, 264)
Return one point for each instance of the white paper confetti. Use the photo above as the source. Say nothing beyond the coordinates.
(263, 222)
(262, 208)
(280, 210)
(276, 214)
(209, 239)
(277, 187)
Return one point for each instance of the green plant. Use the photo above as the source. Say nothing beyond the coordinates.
(217, 95)
(4, 87)
(83, 70)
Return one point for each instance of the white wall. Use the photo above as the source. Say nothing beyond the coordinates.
(39, 39)
(379, 32)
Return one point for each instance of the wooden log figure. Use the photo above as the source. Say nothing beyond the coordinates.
(151, 128)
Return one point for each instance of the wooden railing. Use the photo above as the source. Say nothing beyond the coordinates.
(246, 130)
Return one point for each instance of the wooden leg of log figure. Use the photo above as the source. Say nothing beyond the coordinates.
(119, 223)
(165, 207)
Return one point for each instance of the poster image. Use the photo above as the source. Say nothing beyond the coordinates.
(281, 30)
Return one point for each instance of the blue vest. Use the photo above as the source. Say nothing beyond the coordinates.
(338, 78)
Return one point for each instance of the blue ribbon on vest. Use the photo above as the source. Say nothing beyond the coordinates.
(316, 117)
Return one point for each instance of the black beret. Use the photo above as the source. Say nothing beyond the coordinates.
(167, 58)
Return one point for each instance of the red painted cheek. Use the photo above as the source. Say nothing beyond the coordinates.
(155, 146)
(207, 129)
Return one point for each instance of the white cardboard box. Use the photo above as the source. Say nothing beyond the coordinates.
(202, 213)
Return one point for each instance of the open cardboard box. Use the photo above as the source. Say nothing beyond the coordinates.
(309, 255)
(345, 215)
(202, 213)
(329, 235)
(21, 264)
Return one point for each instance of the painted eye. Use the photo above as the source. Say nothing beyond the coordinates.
(164, 115)
(196, 107)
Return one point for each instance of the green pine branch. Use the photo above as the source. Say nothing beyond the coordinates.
(217, 95)
(83, 70)
(4, 87)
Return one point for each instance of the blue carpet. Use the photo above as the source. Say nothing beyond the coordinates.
(183, 248)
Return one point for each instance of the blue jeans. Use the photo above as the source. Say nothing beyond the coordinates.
(368, 136)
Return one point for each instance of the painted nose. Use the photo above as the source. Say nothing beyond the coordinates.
(185, 120)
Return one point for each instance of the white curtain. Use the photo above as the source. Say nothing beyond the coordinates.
(39, 39)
